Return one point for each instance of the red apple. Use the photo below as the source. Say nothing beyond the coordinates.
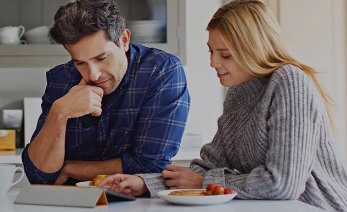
(228, 191)
(207, 193)
(218, 190)
(210, 187)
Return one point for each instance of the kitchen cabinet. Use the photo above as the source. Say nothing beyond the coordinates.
(34, 13)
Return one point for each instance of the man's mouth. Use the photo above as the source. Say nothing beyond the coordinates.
(99, 83)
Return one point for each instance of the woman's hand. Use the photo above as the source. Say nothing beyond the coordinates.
(126, 184)
(179, 177)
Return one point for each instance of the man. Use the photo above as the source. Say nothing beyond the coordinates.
(116, 107)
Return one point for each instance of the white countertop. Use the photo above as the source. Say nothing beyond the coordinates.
(14, 156)
(158, 205)
(11, 156)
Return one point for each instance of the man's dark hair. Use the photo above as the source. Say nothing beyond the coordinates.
(84, 17)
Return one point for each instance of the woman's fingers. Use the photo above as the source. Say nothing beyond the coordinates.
(172, 183)
(126, 184)
(115, 188)
(170, 167)
(114, 179)
(170, 174)
(127, 191)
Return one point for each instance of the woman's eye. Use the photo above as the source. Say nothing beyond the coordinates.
(226, 56)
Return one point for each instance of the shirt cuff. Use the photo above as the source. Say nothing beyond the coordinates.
(133, 165)
(34, 175)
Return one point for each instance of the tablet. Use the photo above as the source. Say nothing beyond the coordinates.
(115, 196)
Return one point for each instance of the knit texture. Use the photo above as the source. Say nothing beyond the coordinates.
(274, 141)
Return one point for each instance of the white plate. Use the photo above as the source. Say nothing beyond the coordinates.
(84, 184)
(195, 200)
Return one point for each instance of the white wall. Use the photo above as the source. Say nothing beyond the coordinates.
(204, 87)
(315, 31)
(17, 83)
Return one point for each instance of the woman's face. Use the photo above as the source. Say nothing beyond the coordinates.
(228, 71)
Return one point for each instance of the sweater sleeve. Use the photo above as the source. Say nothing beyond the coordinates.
(293, 126)
(154, 183)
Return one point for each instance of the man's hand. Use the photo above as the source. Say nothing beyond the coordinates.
(61, 179)
(179, 177)
(47, 150)
(127, 184)
(82, 99)
(87, 170)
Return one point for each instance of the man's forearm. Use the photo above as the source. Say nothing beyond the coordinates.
(47, 150)
(87, 170)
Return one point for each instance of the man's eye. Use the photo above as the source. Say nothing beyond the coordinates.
(78, 63)
(101, 58)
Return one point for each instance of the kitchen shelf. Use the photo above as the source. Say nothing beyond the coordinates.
(32, 55)
(54, 54)
(32, 50)
(29, 55)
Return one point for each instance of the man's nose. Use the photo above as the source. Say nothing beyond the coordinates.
(94, 72)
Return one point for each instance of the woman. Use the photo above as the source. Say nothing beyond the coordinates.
(274, 139)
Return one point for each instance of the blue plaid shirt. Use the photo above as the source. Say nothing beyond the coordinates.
(142, 121)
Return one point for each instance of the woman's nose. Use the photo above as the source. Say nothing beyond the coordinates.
(214, 62)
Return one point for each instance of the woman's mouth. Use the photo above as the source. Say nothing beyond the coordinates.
(221, 74)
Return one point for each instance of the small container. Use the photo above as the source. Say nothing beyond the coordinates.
(11, 118)
(7, 139)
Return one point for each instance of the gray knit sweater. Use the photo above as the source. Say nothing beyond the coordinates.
(273, 141)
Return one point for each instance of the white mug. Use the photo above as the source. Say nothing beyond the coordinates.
(6, 177)
(38, 35)
(11, 34)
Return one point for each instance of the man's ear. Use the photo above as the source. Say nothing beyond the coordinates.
(125, 39)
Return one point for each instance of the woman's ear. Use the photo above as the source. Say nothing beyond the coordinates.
(125, 39)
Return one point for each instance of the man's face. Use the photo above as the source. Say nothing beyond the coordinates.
(100, 61)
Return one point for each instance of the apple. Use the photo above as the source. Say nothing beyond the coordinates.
(218, 190)
(207, 193)
(210, 187)
(228, 191)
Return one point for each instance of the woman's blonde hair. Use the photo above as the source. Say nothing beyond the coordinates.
(253, 38)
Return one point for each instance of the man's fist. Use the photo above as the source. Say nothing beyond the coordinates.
(82, 99)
